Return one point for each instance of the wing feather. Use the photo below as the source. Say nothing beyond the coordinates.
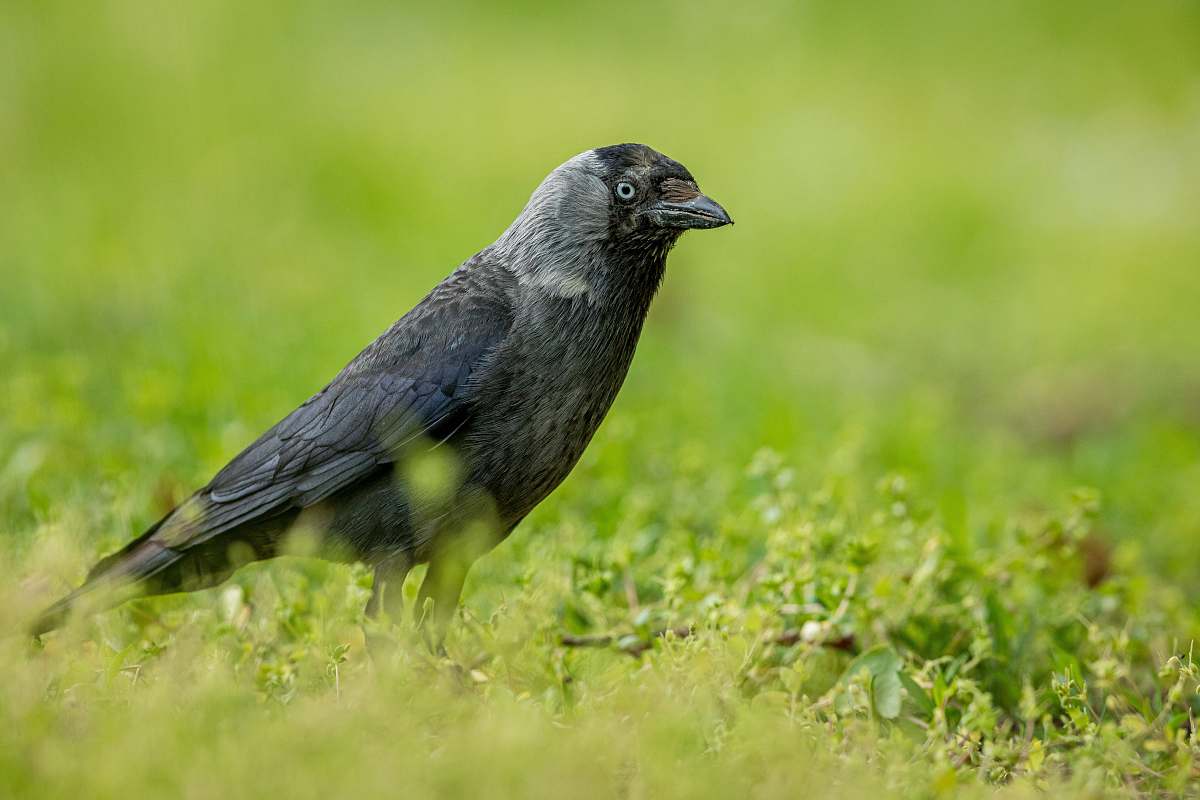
(413, 380)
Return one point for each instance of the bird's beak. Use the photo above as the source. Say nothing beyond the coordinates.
(700, 211)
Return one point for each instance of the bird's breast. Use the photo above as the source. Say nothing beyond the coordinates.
(546, 394)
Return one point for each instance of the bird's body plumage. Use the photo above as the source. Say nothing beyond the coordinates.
(507, 368)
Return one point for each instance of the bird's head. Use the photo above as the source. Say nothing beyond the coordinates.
(626, 201)
(648, 193)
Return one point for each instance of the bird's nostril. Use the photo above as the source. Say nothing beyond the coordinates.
(674, 190)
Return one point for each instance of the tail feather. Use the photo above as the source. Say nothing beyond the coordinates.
(112, 580)
(56, 614)
(113, 561)
(148, 566)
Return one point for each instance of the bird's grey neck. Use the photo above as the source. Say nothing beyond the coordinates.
(566, 263)
(594, 274)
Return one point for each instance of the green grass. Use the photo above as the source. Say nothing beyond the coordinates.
(913, 450)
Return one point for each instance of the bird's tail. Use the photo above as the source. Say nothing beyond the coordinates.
(148, 566)
(112, 580)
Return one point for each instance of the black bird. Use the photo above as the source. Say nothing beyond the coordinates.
(503, 372)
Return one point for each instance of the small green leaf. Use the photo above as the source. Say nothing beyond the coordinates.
(884, 666)
(917, 695)
(878, 660)
(886, 695)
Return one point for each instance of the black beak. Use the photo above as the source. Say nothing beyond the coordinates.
(699, 212)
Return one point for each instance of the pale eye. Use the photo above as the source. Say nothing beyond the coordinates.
(626, 190)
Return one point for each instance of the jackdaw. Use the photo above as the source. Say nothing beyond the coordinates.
(501, 375)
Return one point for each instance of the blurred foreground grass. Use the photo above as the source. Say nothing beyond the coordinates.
(914, 449)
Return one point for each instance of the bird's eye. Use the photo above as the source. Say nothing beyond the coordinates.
(626, 190)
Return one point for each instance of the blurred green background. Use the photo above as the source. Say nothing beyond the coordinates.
(966, 253)
(967, 233)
